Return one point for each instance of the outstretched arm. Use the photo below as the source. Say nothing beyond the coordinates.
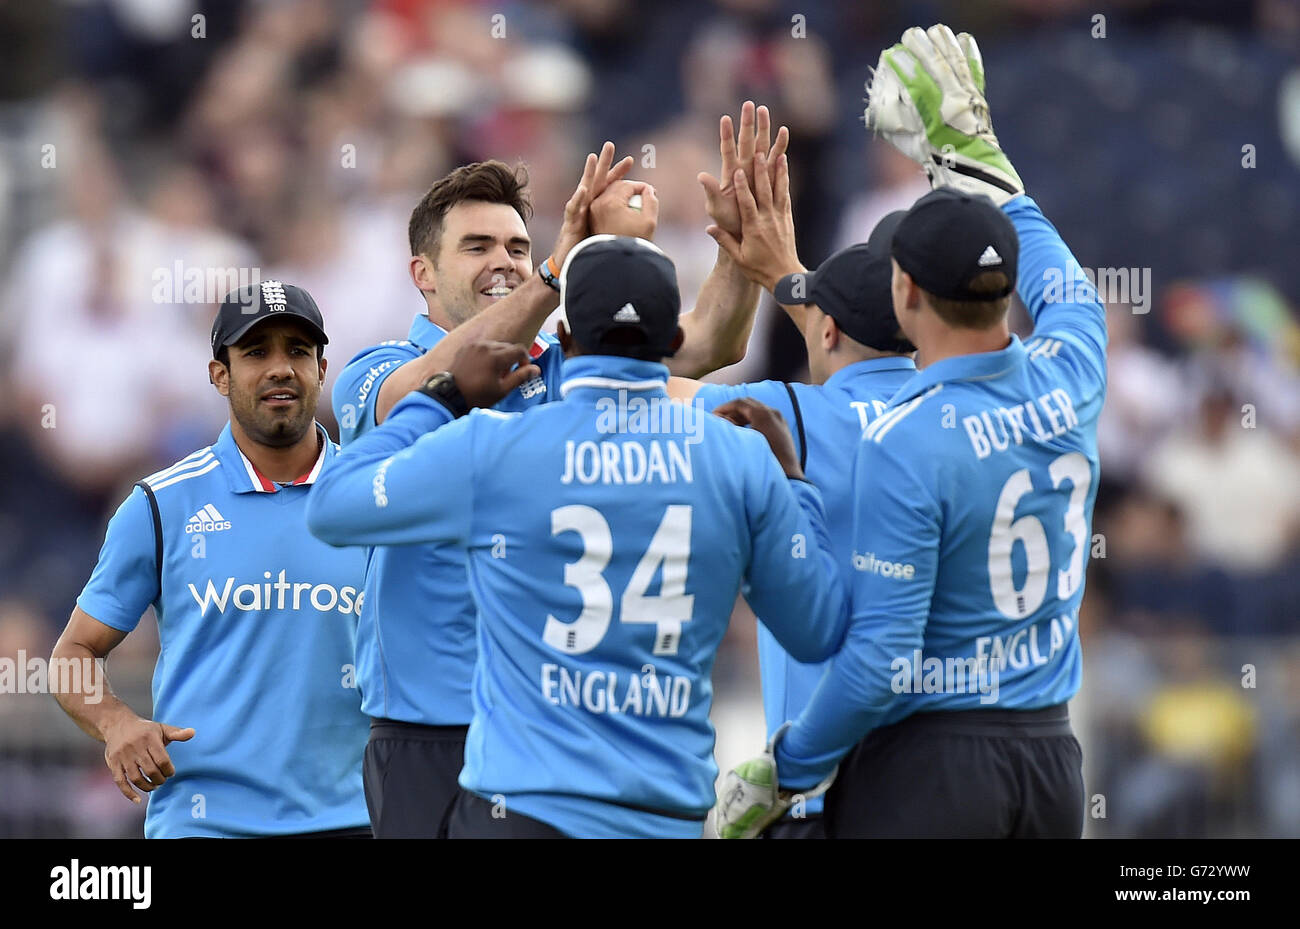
(411, 479)
(517, 317)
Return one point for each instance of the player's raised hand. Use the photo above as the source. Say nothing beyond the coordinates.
(746, 411)
(755, 138)
(926, 97)
(626, 208)
(136, 754)
(765, 248)
(485, 371)
(607, 172)
(598, 173)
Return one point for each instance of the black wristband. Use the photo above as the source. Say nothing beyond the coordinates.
(442, 387)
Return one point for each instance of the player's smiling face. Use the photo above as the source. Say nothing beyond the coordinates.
(273, 382)
(483, 254)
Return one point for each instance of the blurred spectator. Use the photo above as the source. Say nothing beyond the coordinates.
(1238, 485)
(111, 363)
(1144, 397)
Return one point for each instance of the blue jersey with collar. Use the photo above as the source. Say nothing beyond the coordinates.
(415, 641)
(826, 429)
(257, 624)
(973, 499)
(605, 560)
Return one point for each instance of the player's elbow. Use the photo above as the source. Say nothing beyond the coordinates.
(729, 355)
(825, 637)
(324, 518)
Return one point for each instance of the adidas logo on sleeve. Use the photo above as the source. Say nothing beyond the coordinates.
(208, 519)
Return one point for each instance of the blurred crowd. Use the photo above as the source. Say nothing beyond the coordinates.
(148, 142)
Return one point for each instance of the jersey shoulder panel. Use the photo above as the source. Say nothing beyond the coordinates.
(193, 466)
(360, 381)
(918, 418)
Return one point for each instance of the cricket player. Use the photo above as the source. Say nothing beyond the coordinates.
(946, 711)
(257, 727)
(604, 562)
(858, 359)
(471, 260)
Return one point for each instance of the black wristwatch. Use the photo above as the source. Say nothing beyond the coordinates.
(442, 387)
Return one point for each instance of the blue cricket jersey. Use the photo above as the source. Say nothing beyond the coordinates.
(973, 498)
(416, 638)
(257, 624)
(826, 428)
(607, 541)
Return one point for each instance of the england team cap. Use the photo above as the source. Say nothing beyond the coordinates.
(245, 307)
(853, 288)
(948, 238)
(611, 283)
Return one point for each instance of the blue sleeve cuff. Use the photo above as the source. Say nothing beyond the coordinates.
(798, 774)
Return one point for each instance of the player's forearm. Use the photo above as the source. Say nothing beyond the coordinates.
(802, 600)
(1049, 278)
(363, 498)
(718, 329)
(516, 318)
(94, 708)
(852, 698)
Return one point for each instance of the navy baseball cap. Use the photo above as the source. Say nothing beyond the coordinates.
(852, 287)
(245, 307)
(948, 238)
(620, 283)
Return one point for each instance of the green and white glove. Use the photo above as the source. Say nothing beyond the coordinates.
(750, 799)
(926, 98)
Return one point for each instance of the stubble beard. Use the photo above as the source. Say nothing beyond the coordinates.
(270, 428)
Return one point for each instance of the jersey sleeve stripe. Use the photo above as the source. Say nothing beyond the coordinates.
(904, 411)
(186, 476)
(201, 457)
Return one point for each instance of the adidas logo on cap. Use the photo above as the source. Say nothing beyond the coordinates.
(627, 314)
(990, 257)
(208, 519)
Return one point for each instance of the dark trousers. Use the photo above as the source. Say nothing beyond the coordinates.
(472, 817)
(410, 774)
(807, 827)
(975, 774)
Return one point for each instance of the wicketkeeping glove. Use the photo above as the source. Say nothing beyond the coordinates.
(926, 98)
(750, 799)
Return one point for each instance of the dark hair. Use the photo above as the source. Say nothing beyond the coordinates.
(626, 342)
(488, 181)
(979, 314)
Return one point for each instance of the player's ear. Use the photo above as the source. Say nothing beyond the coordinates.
(322, 363)
(830, 333)
(219, 375)
(423, 274)
(678, 338)
(907, 296)
(564, 336)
